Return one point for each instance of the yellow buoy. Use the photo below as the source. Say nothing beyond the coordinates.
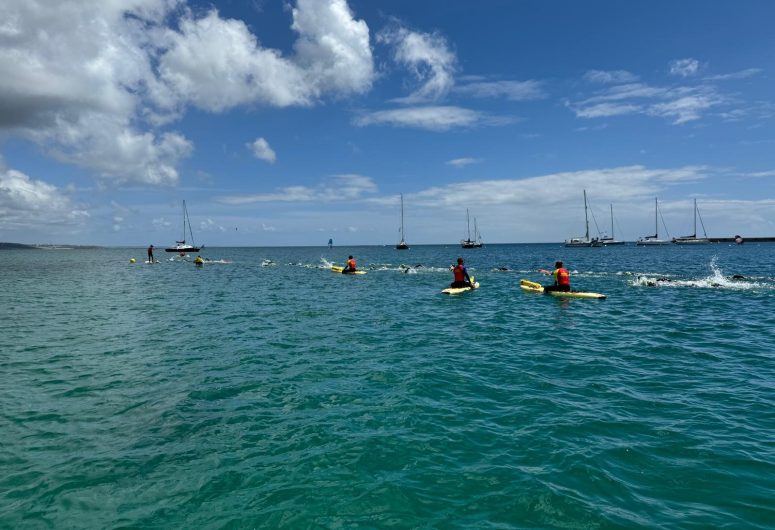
(132, 260)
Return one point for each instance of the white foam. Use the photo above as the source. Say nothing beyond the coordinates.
(716, 280)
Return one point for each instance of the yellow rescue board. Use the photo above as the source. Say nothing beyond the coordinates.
(458, 290)
(534, 287)
(340, 269)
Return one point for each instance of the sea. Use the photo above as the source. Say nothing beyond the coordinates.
(260, 390)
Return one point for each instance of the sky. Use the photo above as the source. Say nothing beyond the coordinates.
(292, 122)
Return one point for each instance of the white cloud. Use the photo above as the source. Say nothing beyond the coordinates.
(742, 74)
(434, 118)
(684, 109)
(217, 63)
(511, 90)
(680, 104)
(609, 76)
(100, 106)
(161, 222)
(607, 184)
(602, 110)
(684, 67)
(760, 174)
(462, 162)
(79, 100)
(124, 155)
(209, 225)
(428, 57)
(25, 202)
(333, 48)
(338, 188)
(262, 151)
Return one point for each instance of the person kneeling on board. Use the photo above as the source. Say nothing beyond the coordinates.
(561, 279)
(350, 267)
(461, 276)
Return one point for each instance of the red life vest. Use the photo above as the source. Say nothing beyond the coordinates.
(459, 273)
(562, 276)
(351, 264)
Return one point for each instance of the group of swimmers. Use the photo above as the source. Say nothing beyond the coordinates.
(197, 261)
(462, 279)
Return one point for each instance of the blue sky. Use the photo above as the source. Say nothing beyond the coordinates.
(286, 123)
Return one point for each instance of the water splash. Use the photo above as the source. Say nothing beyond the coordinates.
(715, 280)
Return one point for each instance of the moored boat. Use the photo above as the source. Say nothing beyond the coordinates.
(584, 241)
(654, 240)
(182, 246)
(693, 239)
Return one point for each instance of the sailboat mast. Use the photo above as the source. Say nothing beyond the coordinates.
(612, 222)
(586, 218)
(468, 225)
(656, 221)
(695, 219)
(402, 217)
(184, 221)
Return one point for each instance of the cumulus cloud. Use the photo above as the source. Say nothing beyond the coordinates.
(262, 151)
(511, 90)
(217, 63)
(433, 118)
(427, 56)
(79, 100)
(26, 202)
(684, 67)
(609, 76)
(462, 162)
(101, 106)
(338, 188)
(333, 48)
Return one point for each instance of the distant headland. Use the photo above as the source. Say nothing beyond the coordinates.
(21, 246)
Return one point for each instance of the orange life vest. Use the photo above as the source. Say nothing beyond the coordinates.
(459, 271)
(351, 264)
(562, 276)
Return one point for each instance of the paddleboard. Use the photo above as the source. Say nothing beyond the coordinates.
(340, 269)
(152, 262)
(534, 287)
(458, 290)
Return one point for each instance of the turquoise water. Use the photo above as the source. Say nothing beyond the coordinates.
(236, 395)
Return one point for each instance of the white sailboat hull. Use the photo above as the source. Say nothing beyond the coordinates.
(645, 242)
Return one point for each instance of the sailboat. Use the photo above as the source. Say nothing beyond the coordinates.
(330, 242)
(477, 236)
(583, 241)
(402, 244)
(609, 241)
(181, 245)
(654, 240)
(468, 242)
(693, 239)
